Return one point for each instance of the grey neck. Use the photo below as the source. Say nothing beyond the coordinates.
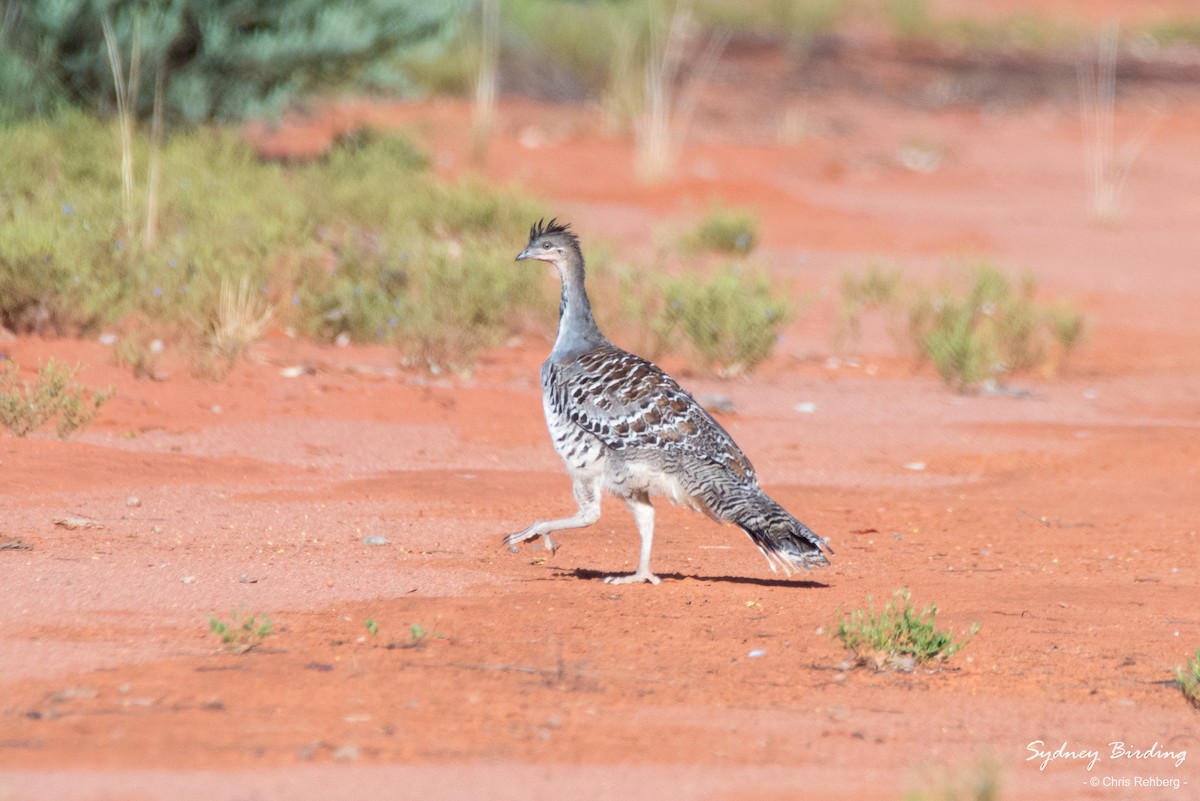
(577, 329)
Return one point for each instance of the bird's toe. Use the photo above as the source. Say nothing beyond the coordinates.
(632, 578)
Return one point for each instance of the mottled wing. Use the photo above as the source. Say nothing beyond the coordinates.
(629, 404)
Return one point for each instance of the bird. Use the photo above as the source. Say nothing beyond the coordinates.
(624, 426)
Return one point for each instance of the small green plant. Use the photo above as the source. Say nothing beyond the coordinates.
(25, 407)
(418, 637)
(724, 230)
(879, 289)
(899, 637)
(372, 626)
(1068, 326)
(732, 321)
(978, 782)
(1189, 680)
(242, 632)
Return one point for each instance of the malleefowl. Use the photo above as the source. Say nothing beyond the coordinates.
(623, 425)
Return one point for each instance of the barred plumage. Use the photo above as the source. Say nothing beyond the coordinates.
(621, 424)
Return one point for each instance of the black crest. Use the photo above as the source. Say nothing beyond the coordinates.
(543, 228)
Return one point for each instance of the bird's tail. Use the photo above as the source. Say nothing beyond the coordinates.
(787, 543)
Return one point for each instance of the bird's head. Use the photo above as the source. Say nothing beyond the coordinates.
(551, 242)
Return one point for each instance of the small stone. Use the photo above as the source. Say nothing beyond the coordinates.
(806, 407)
(347, 753)
(187, 579)
(133, 501)
(719, 404)
(756, 653)
(375, 540)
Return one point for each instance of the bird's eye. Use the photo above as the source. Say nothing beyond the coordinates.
(545, 246)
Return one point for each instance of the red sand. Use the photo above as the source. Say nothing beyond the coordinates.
(1064, 524)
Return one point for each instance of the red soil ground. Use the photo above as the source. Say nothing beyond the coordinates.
(1065, 523)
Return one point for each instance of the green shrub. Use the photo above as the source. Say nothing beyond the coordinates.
(732, 321)
(992, 329)
(899, 637)
(723, 230)
(24, 408)
(1189, 680)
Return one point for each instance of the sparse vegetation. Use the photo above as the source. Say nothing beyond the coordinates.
(981, 328)
(242, 632)
(418, 637)
(877, 290)
(1189, 680)
(899, 637)
(25, 407)
(330, 248)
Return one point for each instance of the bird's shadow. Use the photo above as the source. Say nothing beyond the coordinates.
(587, 573)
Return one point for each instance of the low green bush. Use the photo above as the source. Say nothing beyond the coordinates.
(732, 321)
(27, 406)
(899, 637)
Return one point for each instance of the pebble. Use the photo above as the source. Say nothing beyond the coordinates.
(133, 501)
(375, 540)
(756, 653)
(347, 753)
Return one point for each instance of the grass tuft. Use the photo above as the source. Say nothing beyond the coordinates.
(241, 320)
(899, 637)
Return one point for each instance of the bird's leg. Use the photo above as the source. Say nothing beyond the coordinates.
(587, 496)
(643, 515)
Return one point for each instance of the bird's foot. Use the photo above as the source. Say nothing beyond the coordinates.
(514, 540)
(633, 578)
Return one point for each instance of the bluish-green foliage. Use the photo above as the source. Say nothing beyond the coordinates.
(221, 59)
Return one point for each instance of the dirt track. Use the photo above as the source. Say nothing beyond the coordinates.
(1064, 523)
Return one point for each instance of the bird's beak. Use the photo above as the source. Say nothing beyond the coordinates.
(524, 254)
